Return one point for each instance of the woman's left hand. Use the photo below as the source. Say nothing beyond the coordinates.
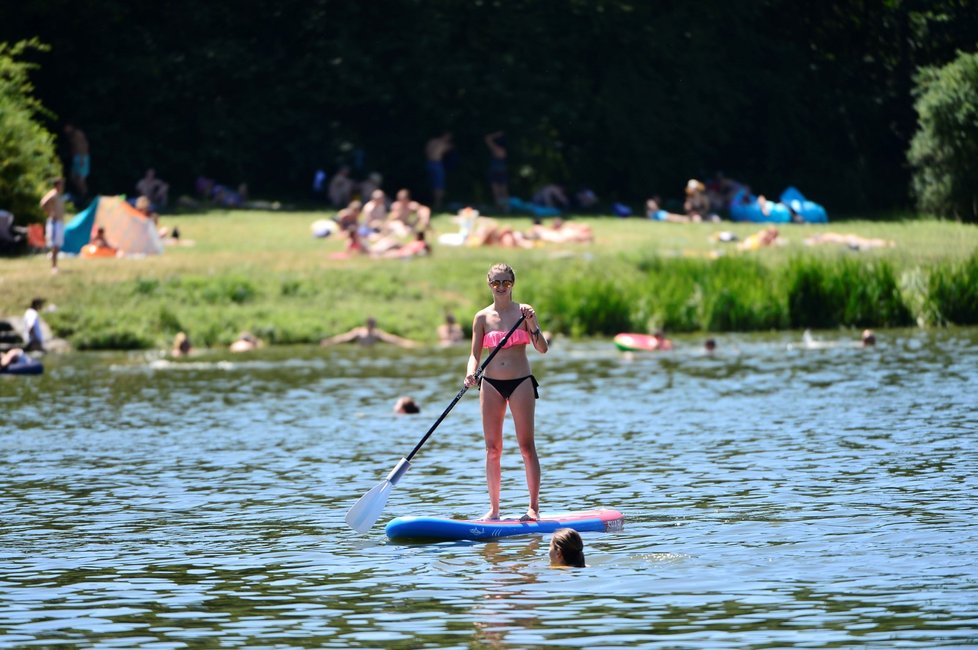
(531, 316)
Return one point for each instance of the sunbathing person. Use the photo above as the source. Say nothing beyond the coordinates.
(760, 239)
(417, 247)
(854, 242)
(561, 231)
(494, 234)
(354, 246)
(656, 213)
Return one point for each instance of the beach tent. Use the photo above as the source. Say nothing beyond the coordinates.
(125, 228)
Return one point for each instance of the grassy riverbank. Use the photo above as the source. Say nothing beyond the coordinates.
(263, 272)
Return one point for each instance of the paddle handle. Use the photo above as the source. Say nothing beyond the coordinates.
(478, 375)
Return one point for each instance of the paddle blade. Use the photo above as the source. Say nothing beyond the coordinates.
(366, 511)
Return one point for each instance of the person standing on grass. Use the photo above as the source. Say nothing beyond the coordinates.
(435, 151)
(53, 204)
(498, 177)
(81, 161)
(507, 380)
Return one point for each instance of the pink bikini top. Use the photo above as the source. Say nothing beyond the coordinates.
(519, 337)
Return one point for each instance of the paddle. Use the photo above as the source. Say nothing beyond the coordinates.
(367, 510)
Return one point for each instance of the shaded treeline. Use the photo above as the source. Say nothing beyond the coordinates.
(629, 98)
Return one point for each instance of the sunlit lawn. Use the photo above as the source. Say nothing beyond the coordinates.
(290, 271)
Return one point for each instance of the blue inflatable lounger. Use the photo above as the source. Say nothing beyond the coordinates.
(24, 365)
(746, 207)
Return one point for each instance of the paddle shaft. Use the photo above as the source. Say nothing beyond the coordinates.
(478, 375)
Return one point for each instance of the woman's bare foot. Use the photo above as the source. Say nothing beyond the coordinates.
(531, 515)
(490, 516)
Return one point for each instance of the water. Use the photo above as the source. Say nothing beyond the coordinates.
(775, 496)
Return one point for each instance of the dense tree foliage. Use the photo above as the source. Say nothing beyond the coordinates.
(27, 151)
(627, 97)
(944, 151)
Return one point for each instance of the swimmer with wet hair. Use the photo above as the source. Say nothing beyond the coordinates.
(567, 548)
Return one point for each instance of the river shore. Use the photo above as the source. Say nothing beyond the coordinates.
(263, 272)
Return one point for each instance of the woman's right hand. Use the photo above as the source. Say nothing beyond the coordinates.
(470, 380)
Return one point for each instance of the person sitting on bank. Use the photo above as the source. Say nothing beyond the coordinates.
(566, 548)
(368, 334)
(34, 334)
(697, 205)
(340, 187)
(157, 191)
(552, 196)
(375, 211)
(406, 215)
(99, 240)
(99, 246)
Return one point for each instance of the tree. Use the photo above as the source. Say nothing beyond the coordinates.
(28, 160)
(944, 151)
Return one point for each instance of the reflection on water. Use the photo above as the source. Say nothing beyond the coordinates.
(775, 493)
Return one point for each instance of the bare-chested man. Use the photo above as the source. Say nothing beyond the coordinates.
(375, 211)
(80, 159)
(435, 152)
(53, 204)
(406, 215)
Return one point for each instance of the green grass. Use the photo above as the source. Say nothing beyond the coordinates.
(263, 272)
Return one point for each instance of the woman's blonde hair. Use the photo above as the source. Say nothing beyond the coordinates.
(502, 268)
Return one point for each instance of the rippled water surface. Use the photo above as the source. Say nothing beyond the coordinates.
(774, 495)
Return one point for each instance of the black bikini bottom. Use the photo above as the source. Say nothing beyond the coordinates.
(505, 387)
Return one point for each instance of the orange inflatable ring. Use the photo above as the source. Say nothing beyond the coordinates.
(92, 250)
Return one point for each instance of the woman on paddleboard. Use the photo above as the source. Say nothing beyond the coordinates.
(507, 379)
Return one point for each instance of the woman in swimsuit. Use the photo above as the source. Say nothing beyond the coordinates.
(507, 380)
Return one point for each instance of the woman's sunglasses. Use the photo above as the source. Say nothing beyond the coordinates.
(495, 284)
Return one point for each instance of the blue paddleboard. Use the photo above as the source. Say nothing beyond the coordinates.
(440, 528)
